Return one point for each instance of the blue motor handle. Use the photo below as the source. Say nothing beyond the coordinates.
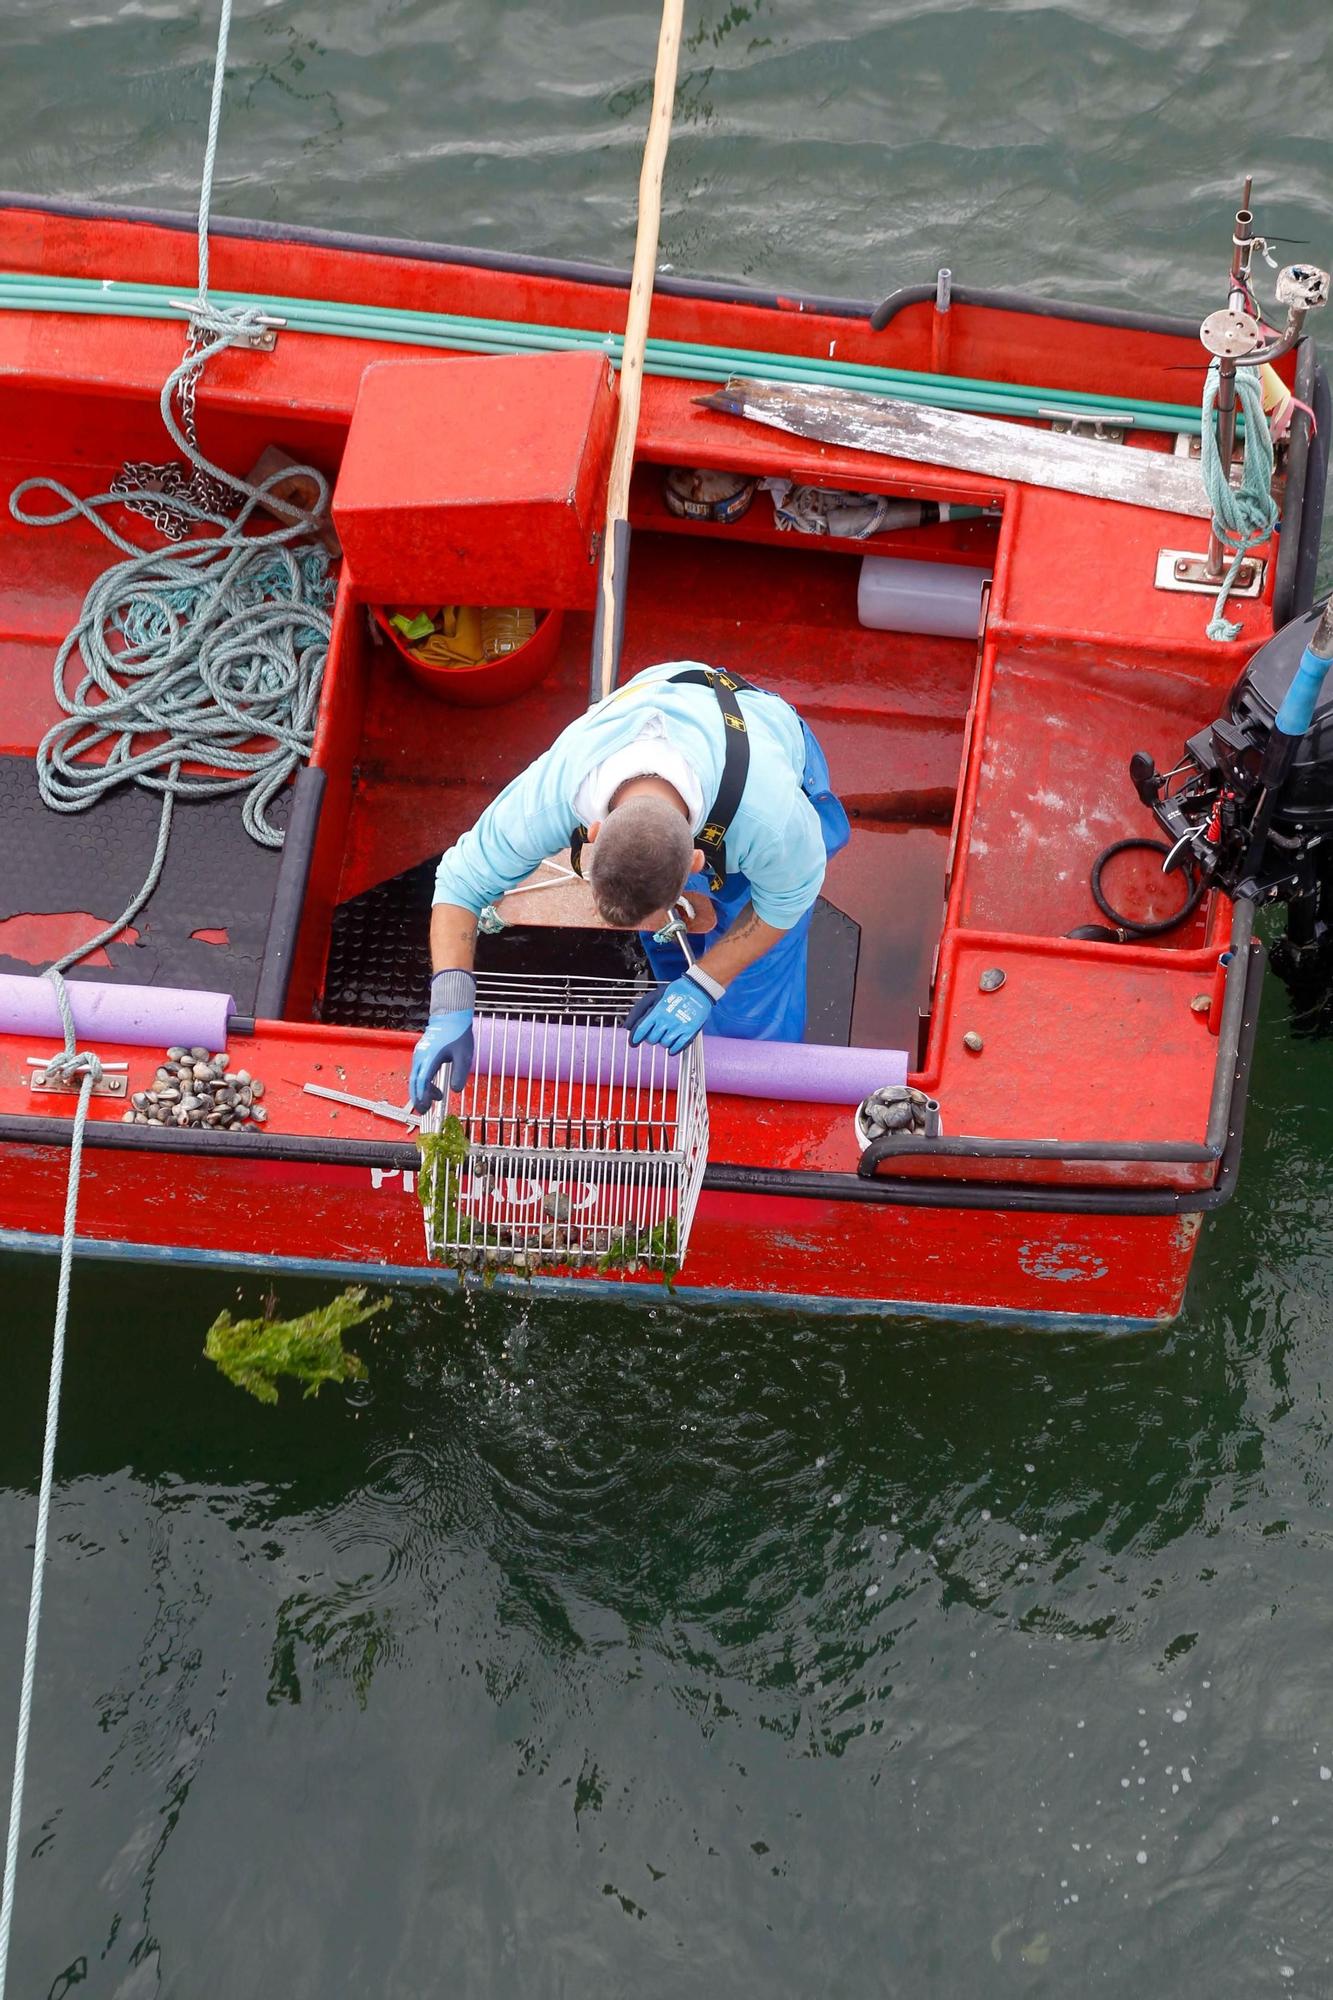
(1294, 716)
(1298, 703)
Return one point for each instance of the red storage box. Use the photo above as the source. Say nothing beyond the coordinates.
(478, 479)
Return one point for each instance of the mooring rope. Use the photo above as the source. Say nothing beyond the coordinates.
(90, 1069)
(207, 653)
(1245, 514)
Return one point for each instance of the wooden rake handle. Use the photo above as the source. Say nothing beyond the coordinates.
(636, 322)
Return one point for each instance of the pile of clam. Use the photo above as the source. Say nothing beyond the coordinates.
(898, 1109)
(193, 1087)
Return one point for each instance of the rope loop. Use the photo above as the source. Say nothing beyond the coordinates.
(1243, 514)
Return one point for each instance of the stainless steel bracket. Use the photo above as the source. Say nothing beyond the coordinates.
(106, 1085)
(1187, 570)
(263, 337)
(1100, 430)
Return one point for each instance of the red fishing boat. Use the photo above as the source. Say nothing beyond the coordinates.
(1085, 1094)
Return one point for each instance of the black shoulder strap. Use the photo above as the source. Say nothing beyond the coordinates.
(735, 765)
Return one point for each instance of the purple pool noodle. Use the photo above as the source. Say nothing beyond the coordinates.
(799, 1072)
(140, 1016)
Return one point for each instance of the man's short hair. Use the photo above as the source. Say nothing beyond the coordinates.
(639, 861)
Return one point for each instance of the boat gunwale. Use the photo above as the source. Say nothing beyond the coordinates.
(720, 1177)
(1298, 553)
(717, 291)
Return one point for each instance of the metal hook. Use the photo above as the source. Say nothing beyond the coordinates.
(679, 916)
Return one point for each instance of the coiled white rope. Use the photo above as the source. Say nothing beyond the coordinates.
(209, 653)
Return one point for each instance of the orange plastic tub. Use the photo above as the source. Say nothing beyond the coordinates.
(493, 680)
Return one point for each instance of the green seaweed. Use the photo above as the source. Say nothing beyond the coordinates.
(257, 1354)
(449, 1143)
(439, 1151)
(658, 1250)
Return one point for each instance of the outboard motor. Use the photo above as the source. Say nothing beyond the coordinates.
(1250, 805)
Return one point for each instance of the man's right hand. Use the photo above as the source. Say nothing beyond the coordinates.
(447, 1037)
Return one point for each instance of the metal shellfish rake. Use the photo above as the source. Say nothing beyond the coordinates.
(566, 1148)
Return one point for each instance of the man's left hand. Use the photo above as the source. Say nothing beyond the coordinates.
(674, 1014)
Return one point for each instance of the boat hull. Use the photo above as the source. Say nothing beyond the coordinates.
(353, 1221)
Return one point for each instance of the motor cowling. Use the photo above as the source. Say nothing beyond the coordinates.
(1306, 800)
(1221, 810)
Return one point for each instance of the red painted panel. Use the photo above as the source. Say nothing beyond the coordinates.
(479, 480)
(1085, 568)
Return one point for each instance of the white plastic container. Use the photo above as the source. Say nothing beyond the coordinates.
(897, 595)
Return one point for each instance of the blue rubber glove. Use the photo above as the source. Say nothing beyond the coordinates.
(674, 1014)
(447, 1037)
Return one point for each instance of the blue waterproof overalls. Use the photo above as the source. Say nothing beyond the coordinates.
(765, 1002)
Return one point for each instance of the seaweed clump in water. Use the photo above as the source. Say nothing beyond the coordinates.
(257, 1354)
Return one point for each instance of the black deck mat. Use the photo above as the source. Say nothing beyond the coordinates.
(215, 879)
(379, 958)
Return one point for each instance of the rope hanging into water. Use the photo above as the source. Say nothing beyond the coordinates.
(89, 1069)
(1245, 514)
(209, 653)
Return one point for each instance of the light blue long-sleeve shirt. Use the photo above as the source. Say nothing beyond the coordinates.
(774, 840)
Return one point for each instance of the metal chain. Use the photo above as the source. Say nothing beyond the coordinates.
(146, 488)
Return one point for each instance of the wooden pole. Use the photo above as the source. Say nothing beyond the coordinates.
(636, 321)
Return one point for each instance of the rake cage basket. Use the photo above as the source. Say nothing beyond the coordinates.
(566, 1148)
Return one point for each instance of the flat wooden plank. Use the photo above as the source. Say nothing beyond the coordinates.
(913, 431)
